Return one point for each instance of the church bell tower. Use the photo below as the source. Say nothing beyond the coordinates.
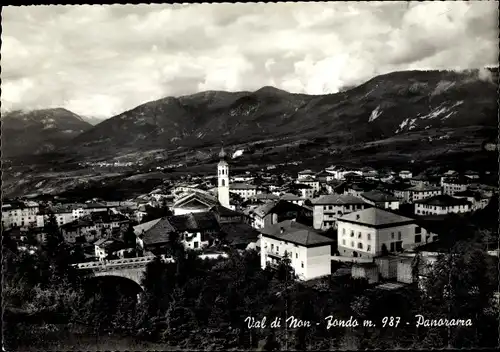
(223, 179)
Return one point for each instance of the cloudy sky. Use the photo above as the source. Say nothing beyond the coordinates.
(102, 60)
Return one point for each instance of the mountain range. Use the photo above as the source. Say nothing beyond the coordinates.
(444, 106)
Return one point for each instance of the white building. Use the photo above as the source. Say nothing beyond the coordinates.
(328, 208)
(442, 205)
(305, 174)
(308, 251)
(311, 182)
(306, 191)
(21, 214)
(244, 190)
(405, 174)
(374, 231)
(422, 191)
(223, 179)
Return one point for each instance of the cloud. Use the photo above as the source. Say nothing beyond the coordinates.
(102, 60)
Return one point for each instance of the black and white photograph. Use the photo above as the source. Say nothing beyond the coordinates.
(287, 176)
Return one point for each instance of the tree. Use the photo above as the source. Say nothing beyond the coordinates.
(129, 237)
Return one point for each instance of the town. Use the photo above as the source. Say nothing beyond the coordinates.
(369, 221)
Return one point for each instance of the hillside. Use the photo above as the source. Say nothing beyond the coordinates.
(387, 106)
(39, 131)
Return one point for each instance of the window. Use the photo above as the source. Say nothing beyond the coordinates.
(343, 242)
(296, 255)
(399, 235)
(418, 238)
(360, 245)
(272, 246)
(196, 244)
(359, 235)
(278, 249)
(302, 264)
(392, 235)
(399, 246)
(368, 248)
(418, 229)
(343, 231)
(352, 233)
(325, 207)
(369, 236)
(352, 244)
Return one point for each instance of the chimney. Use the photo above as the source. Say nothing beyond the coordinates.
(282, 230)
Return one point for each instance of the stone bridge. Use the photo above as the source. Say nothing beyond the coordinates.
(131, 268)
(128, 268)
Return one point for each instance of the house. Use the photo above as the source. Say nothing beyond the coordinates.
(105, 247)
(261, 198)
(306, 191)
(333, 186)
(477, 199)
(195, 202)
(325, 176)
(227, 216)
(420, 180)
(381, 199)
(328, 208)
(305, 174)
(276, 211)
(244, 190)
(21, 214)
(80, 229)
(442, 205)
(356, 189)
(452, 185)
(399, 190)
(373, 232)
(309, 181)
(369, 172)
(405, 174)
(309, 251)
(421, 192)
(292, 198)
(194, 230)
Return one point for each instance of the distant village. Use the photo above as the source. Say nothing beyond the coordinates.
(371, 221)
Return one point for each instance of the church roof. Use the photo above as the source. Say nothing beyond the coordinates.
(222, 153)
(196, 200)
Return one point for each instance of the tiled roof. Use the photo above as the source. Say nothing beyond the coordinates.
(159, 232)
(444, 200)
(194, 221)
(423, 188)
(202, 198)
(375, 217)
(265, 196)
(237, 234)
(337, 199)
(145, 226)
(292, 231)
(308, 179)
(302, 186)
(306, 172)
(378, 196)
(457, 180)
(291, 197)
(265, 208)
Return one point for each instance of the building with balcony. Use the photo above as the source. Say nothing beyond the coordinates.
(373, 232)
